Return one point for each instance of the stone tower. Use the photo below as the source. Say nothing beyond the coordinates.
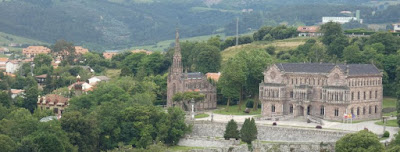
(174, 83)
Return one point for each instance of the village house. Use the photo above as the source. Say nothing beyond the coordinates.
(80, 87)
(54, 102)
(32, 51)
(17, 92)
(41, 79)
(109, 55)
(3, 62)
(142, 51)
(80, 50)
(13, 66)
(322, 90)
(396, 27)
(308, 31)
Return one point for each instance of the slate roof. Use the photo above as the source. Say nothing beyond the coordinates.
(194, 75)
(354, 69)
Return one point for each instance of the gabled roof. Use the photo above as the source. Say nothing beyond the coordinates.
(102, 78)
(313, 68)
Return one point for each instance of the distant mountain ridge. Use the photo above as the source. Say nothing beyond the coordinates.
(118, 24)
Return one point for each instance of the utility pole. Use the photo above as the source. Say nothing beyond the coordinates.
(237, 31)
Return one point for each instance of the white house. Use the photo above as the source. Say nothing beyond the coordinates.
(13, 66)
(17, 92)
(340, 20)
(96, 79)
(396, 27)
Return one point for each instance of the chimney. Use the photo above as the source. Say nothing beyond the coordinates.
(347, 69)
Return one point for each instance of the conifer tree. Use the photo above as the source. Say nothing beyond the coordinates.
(231, 130)
(248, 133)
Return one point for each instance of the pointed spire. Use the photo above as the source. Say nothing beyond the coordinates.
(177, 45)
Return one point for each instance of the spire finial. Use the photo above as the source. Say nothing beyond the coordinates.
(177, 45)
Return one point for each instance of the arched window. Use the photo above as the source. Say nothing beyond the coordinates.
(273, 108)
(358, 111)
(352, 110)
(322, 110)
(363, 110)
(376, 109)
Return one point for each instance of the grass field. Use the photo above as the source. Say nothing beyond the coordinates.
(202, 115)
(390, 123)
(113, 73)
(280, 45)
(6, 39)
(233, 110)
(163, 45)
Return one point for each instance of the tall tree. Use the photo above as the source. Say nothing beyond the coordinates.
(233, 78)
(31, 97)
(64, 49)
(82, 131)
(258, 60)
(209, 60)
(331, 32)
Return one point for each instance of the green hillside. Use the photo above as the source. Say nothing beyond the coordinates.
(121, 24)
(6, 39)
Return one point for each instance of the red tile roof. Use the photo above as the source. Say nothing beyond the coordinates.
(213, 76)
(36, 50)
(308, 29)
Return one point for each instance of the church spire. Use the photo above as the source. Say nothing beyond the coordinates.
(177, 60)
(177, 45)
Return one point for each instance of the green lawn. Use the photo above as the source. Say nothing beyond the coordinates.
(390, 123)
(202, 115)
(233, 110)
(387, 103)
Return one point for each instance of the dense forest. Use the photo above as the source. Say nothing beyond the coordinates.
(108, 24)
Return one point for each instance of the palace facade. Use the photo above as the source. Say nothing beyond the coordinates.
(179, 81)
(324, 90)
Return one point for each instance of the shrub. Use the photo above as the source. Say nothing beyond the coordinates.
(318, 127)
(386, 134)
(249, 104)
(270, 50)
(360, 141)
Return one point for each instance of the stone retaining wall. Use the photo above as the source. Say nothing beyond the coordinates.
(275, 147)
(272, 133)
(207, 142)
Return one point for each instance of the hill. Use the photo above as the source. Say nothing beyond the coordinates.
(120, 24)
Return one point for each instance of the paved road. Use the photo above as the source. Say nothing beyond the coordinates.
(377, 129)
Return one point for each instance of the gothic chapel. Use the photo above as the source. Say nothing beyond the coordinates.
(179, 81)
